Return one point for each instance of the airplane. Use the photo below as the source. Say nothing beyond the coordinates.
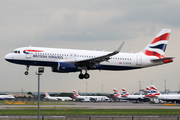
(72, 60)
(6, 97)
(165, 97)
(89, 98)
(47, 96)
(132, 97)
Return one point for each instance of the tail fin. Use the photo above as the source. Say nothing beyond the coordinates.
(148, 90)
(46, 94)
(125, 93)
(154, 91)
(158, 45)
(75, 93)
(116, 93)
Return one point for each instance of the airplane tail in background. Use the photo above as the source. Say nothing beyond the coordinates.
(116, 93)
(75, 93)
(154, 91)
(148, 90)
(125, 93)
(46, 94)
(158, 46)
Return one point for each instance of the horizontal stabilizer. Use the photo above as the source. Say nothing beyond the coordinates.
(163, 59)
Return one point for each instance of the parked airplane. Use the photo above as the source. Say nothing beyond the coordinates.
(117, 95)
(6, 97)
(132, 97)
(71, 60)
(89, 98)
(165, 97)
(47, 96)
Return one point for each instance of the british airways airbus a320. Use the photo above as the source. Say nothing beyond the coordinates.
(70, 60)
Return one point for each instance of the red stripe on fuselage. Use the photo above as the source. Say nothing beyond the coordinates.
(34, 50)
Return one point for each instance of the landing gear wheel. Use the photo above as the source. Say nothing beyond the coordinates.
(81, 76)
(26, 73)
(86, 76)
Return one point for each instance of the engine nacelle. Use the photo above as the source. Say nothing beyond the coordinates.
(65, 67)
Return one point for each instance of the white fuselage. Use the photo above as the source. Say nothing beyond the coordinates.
(59, 98)
(169, 97)
(89, 98)
(6, 97)
(135, 97)
(39, 56)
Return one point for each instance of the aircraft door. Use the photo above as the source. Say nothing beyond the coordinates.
(138, 60)
(28, 53)
(71, 56)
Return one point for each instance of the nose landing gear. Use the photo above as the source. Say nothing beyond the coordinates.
(27, 68)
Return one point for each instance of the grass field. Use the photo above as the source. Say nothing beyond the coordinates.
(91, 112)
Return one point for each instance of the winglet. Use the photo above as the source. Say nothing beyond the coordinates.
(120, 47)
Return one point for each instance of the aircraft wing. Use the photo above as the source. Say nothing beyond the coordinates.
(96, 60)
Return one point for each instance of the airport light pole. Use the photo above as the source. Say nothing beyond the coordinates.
(139, 86)
(40, 71)
(86, 90)
(102, 89)
(165, 85)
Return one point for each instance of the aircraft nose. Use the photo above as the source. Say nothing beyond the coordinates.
(6, 57)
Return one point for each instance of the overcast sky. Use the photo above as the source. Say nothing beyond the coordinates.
(84, 24)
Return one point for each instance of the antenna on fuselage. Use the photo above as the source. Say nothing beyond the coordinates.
(95, 48)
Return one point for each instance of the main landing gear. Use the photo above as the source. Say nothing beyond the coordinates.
(86, 75)
(27, 68)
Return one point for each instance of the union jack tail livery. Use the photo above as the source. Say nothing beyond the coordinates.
(158, 45)
(148, 90)
(154, 91)
(46, 94)
(75, 93)
(125, 93)
(116, 93)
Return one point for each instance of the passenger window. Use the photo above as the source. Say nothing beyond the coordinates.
(19, 52)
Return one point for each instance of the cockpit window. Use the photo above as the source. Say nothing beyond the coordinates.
(16, 51)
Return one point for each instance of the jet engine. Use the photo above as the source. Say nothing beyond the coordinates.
(65, 67)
